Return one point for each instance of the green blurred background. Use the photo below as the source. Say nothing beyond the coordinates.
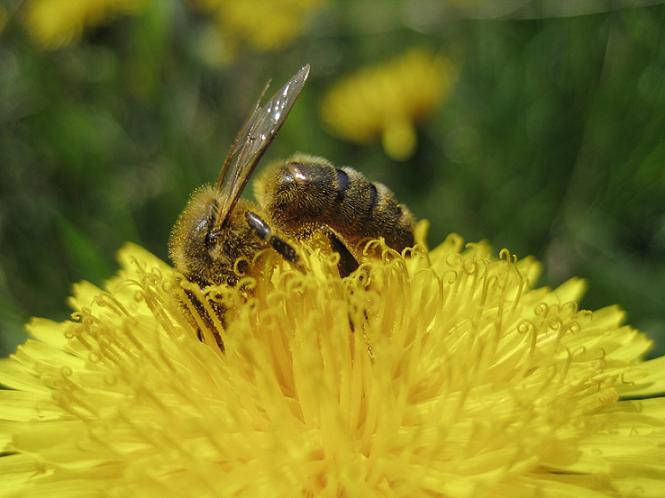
(550, 142)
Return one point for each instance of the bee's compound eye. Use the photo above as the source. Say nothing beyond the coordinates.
(211, 238)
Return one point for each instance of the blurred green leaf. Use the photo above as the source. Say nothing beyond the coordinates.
(85, 256)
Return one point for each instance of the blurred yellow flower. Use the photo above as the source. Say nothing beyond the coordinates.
(55, 23)
(261, 24)
(444, 373)
(387, 100)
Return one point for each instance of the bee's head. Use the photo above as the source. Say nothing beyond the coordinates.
(192, 244)
(209, 254)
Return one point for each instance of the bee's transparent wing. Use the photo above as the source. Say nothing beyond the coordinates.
(253, 140)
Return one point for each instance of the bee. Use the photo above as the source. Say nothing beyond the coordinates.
(299, 198)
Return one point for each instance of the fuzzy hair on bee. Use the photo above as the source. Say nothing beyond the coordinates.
(203, 256)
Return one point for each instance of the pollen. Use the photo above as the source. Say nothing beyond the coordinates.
(442, 373)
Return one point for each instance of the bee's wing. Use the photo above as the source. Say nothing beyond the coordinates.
(252, 141)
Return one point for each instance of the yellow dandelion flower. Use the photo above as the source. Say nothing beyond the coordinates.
(263, 25)
(55, 23)
(436, 373)
(386, 100)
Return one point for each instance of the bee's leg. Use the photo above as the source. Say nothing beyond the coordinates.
(264, 232)
(347, 262)
(206, 318)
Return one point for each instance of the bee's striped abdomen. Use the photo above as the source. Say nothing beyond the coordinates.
(305, 191)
